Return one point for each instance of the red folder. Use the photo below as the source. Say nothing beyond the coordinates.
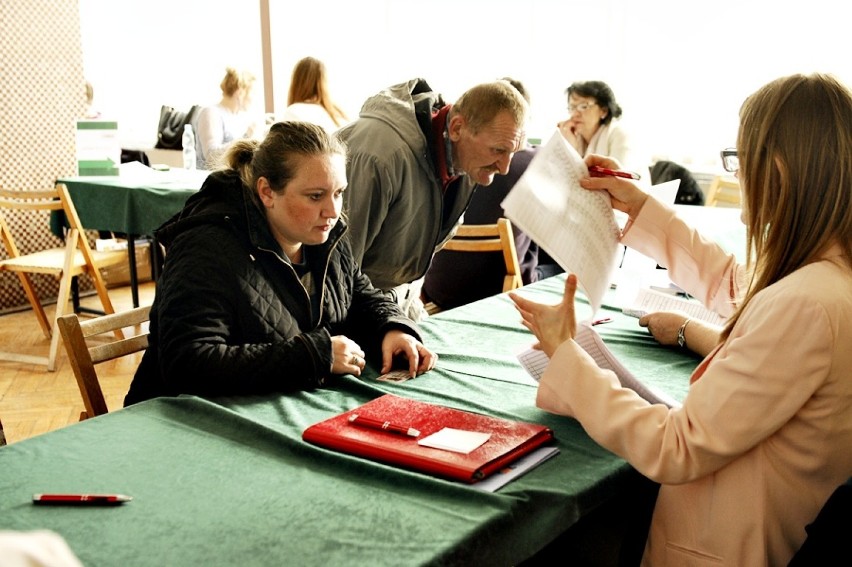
(509, 439)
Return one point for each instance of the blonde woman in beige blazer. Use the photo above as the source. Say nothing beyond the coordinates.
(765, 432)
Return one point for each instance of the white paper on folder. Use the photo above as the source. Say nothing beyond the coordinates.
(575, 226)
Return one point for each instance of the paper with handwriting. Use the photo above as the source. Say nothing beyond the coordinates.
(575, 226)
(535, 362)
(649, 300)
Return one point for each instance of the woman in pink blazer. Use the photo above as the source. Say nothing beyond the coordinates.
(765, 433)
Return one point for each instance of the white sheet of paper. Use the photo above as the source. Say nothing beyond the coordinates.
(516, 469)
(575, 226)
(456, 440)
(648, 300)
(535, 362)
(665, 192)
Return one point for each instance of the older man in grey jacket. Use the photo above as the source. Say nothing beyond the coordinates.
(413, 164)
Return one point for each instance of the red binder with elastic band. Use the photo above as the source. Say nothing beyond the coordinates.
(384, 430)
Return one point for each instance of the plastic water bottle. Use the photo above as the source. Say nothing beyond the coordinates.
(188, 143)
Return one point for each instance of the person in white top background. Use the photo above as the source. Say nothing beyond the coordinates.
(308, 99)
(593, 125)
(219, 125)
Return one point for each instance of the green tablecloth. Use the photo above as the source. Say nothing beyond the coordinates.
(230, 482)
(135, 202)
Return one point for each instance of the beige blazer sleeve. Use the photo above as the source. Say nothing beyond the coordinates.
(750, 387)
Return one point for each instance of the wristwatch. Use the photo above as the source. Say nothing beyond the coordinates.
(681, 337)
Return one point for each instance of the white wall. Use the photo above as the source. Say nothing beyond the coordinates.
(679, 69)
(141, 54)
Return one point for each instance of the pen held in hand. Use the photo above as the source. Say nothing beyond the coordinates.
(356, 419)
(613, 172)
(81, 499)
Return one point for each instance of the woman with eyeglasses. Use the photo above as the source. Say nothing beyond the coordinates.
(764, 434)
(592, 126)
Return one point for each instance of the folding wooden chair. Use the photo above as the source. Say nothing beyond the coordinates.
(723, 192)
(86, 348)
(74, 259)
(496, 237)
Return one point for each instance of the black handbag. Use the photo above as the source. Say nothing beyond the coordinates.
(170, 130)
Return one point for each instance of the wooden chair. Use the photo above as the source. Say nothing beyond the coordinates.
(85, 350)
(496, 237)
(724, 192)
(74, 259)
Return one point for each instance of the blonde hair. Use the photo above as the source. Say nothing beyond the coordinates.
(235, 80)
(310, 84)
(795, 153)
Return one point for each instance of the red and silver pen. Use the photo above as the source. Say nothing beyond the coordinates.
(356, 419)
(613, 172)
(82, 499)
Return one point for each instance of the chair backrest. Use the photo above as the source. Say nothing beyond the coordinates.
(496, 237)
(45, 200)
(723, 191)
(84, 354)
(55, 199)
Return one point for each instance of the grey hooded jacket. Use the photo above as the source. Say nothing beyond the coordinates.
(394, 200)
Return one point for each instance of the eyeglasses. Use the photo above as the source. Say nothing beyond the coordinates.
(582, 107)
(730, 160)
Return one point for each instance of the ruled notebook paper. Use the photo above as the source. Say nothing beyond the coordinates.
(535, 362)
(575, 226)
(649, 300)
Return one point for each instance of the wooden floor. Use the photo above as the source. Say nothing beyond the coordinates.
(33, 400)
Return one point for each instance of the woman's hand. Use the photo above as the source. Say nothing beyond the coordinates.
(664, 325)
(347, 356)
(624, 193)
(397, 343)
(568, 129)
(552, 325)
(701, 338)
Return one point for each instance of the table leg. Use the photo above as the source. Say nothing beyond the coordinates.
(75, 300)
(134, 280)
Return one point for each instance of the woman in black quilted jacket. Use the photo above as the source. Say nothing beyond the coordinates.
(259, 292)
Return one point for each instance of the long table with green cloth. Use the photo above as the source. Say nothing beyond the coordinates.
(134, 203)
(229, 481)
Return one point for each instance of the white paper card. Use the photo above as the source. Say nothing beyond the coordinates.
(456, 440)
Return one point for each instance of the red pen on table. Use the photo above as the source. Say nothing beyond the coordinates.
(613, 172)
(602, 321)
(356, 419)
(82, 499)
